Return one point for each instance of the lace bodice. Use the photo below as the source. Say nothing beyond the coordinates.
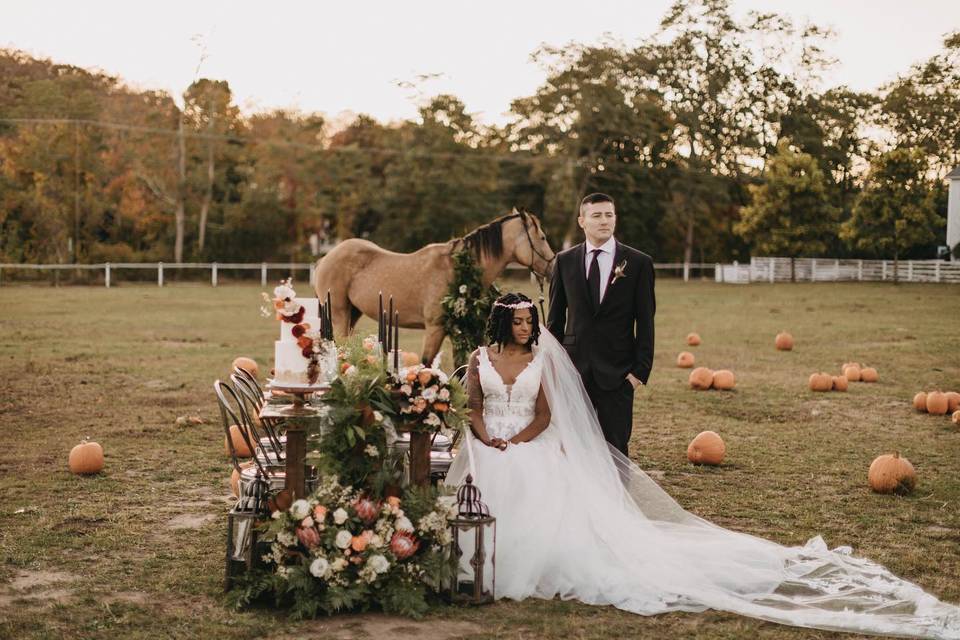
(507, 409)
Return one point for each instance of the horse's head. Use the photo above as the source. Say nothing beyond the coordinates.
(531, 246)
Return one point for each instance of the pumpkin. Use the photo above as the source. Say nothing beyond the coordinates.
(706, 448)
(410, 359)
(851, 372)
(953, 401)
(821, 382)
(937, 403)
(701, 378)
(955, 418)
(86, 458)
(685, 360)
(920, 401)
(693, 339)
(247, 364)
(890, 473)
(869, 374)
(239, 444)
(783, 341)
(724, 380)
(839, 383)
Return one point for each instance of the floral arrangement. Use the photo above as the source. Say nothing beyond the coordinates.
(312, 343)
(428, 400)
(285, 306)
(342, 548)
(466, 306)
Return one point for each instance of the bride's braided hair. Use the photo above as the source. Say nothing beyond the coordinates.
(500, 323)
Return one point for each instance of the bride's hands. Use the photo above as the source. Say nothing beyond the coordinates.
(496, 443)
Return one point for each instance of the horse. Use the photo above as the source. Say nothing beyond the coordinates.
(355, 271)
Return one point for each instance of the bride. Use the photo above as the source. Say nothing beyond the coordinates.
(579, 520)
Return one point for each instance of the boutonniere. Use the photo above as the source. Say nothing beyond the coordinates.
(619, 271)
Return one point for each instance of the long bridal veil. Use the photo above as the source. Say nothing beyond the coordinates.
(657, 557)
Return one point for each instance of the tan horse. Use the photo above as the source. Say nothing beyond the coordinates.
(356, 271)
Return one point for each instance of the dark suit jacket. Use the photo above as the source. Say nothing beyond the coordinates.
(615, 339)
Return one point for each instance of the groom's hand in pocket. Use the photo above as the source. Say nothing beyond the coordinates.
(633, 380)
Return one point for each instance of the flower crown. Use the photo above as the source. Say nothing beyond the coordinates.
(516, 305)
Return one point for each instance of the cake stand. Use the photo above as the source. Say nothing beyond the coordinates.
(299, 391)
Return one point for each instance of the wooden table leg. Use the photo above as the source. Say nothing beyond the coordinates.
(296, 459)
(419, 459)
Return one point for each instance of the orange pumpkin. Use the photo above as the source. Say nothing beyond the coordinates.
(821, 382)
(839, 383)
(783, 341)
(953, 401)
(239, 444)
(409, 358)
(937, 403)
(890, 473)
(693, 339)
(724, 380)
(852, 372)
(869, 374)
(701, 378)
(706, 448)
(920, 401)
(247, 364)
(685, 360)
(86, 458)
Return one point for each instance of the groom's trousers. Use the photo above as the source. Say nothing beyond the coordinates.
(614, 410)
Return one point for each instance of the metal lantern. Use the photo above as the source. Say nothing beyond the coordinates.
(243, 550)
(474, 548)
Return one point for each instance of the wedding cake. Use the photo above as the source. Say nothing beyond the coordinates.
(299, 327)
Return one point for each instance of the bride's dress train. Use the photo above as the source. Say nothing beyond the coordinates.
(581, 521)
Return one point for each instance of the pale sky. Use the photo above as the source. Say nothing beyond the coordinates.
(350, 56)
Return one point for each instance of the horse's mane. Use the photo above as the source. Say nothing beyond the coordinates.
(488, 239)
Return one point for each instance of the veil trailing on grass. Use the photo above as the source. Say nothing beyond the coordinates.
(646, 554)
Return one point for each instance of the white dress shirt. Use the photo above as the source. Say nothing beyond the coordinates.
(604, 261)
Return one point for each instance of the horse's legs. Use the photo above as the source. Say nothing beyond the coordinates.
(432, 340)
(342, 316)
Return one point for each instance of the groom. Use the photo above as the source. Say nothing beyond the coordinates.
(601, 310)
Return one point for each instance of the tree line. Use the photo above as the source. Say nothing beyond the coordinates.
(714, 136)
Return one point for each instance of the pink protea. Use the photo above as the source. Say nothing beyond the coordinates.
(404, 544)
(367, 510)
(308, 536)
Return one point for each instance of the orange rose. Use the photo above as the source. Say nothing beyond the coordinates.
(440, 406)
(344, 366)
(319, 513)
(411, 376)
(278, 304)
(359, 543)
(425, 377)
(303, 342)
(393, 501)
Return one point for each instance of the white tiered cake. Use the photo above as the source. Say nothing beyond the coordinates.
(289, 363)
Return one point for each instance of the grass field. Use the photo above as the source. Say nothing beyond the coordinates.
(138, 550)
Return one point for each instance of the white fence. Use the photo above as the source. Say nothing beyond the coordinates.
(835, 270)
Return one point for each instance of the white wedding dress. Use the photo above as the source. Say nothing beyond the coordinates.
(578, 520)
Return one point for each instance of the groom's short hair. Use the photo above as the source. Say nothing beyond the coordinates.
(594, 198)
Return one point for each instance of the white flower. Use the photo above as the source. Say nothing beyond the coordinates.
(319, 567)
(378, 416)
(372, 451)
(338, 565)
(443, 394)
(351, 370)
(406, 389)
(343, 538)
(378, 563)
(404, 524)
(307, 522)
(463, 288)
(286, 538)
(430, 393)
(340, 516)
(433, 420)
(300, 509)
(376, 541)
(283, 572)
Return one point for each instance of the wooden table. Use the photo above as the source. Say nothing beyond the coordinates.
(296, 420)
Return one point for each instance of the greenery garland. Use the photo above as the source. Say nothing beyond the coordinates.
(466, 306)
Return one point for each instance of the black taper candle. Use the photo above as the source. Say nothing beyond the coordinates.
(390, 326)
(329, 317)
(380, 321)
(396, 341)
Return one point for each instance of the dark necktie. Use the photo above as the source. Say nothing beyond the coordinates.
(593, 278)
